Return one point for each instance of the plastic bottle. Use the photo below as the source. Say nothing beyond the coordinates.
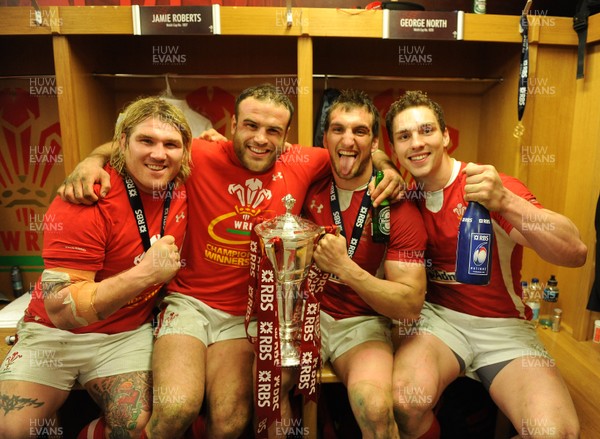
(17, 281)
(549, 299)
(535, 295)
(596, 336)
(525, 291)
(556, 317)
(474, 246)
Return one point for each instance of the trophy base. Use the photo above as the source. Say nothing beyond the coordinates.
(289, 355)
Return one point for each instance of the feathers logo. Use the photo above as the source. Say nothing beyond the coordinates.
(31, 163)
(233, 228)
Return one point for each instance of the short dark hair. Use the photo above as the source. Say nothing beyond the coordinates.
(265, 92)
(350, 99)
(413, 98)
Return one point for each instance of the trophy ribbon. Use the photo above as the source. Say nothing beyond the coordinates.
(263, 302)
(255, 256)
(267, 386)
(310, 341)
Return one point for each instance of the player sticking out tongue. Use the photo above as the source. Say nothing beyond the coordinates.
(347, 160)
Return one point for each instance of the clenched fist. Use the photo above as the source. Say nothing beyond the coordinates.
(162, 260)
(331, 254)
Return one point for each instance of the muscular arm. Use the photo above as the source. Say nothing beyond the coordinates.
(553, 236)
(73, 299)
(78, 187)
(399, 296)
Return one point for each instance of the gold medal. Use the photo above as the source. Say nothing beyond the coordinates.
(519, 130)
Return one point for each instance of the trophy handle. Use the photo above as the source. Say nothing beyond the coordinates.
(324, 230)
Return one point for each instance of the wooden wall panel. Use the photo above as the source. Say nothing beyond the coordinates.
(85, 106)
(565, 124)
(557, 124)
(581, 192)
(545, 155)
(496, 144)
(304, 92)
(462, 112)
(554, 157)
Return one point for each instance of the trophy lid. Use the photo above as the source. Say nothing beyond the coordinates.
(288, 227)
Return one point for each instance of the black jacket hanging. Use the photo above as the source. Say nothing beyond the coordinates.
(584, 9)
(329, 95)
(594, 301)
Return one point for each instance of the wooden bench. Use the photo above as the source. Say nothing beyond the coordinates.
(8, 322)
(4, 348)
(579, 365)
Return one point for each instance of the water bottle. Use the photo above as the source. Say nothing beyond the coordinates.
(550, 297)
(17, 281)
(535, 295)
(474, 246)
(525, 291)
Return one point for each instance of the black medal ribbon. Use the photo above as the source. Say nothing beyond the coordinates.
(138, 210)
(524, 71)
(360, 221)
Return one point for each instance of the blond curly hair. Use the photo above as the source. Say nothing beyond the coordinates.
(137, 112)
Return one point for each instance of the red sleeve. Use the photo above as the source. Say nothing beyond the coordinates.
(74, 237)
(408, 239)
(199, 146)
(322, 166)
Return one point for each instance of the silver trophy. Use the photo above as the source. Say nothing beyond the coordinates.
(291, 260)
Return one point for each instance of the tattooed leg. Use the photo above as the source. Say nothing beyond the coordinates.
(9, 403)
(126, 401)
(27, 409)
